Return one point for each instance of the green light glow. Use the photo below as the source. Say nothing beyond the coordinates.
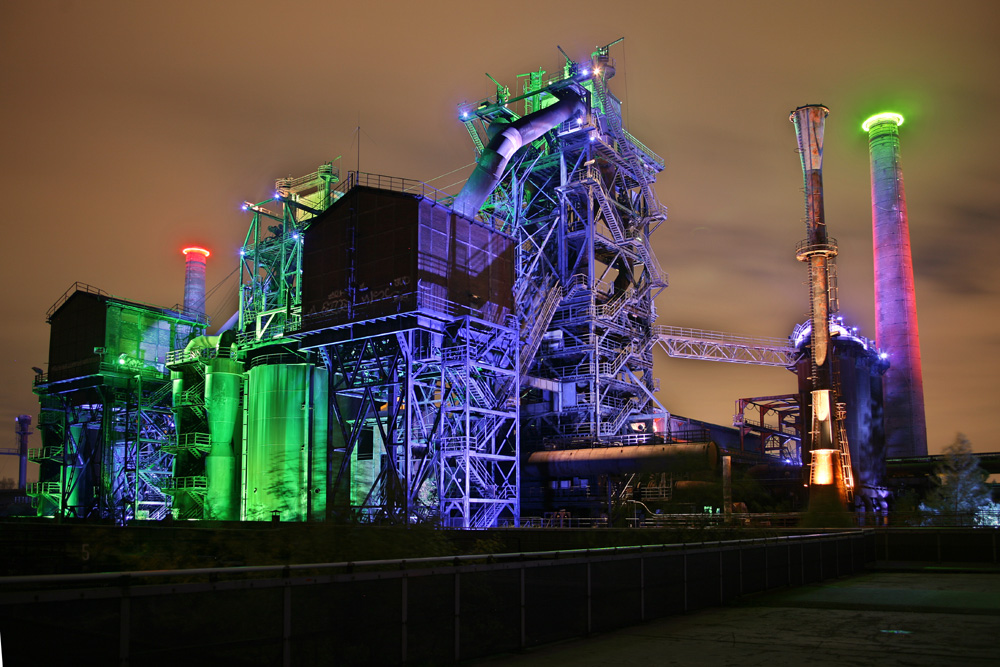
(882, 118)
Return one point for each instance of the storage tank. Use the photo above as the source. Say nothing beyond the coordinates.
(223, 378)
(285, 439)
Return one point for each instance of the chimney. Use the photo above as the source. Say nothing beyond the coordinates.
(817, 250)
(23, 431)
(895, 298)
(195, 261)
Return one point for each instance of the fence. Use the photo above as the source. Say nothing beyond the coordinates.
(438, 609)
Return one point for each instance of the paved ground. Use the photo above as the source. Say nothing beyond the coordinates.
(922, 616)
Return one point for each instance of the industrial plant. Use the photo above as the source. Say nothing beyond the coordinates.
(404, 355)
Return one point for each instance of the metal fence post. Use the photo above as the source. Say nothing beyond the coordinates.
(788, 545)
(642, 585)
(590, 618)
(403, 585)
(458, 584)
(740, 552)
(524, 636)
(837, 557)
(124, 622)
(286, 629)
(722, 578)
(685, 570)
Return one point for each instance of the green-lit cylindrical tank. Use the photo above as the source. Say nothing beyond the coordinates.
(286, 408)
(222, 402)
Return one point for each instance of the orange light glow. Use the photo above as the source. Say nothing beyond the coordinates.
(823, 464)
(200, 251)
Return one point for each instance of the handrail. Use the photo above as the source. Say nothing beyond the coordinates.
(718, 336)
(401, 563)
(73, 289)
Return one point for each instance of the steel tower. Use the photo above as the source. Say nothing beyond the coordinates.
(578, 195)
(895, 296)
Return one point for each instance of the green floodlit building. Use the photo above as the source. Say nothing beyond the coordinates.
(105, 407)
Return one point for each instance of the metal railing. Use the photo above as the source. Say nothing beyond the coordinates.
(433, 609)
(395, 184)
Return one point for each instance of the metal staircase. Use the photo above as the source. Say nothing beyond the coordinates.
(538, 325)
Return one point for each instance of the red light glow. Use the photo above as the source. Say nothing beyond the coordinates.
(200, 251)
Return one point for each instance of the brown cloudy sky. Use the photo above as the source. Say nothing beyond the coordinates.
(131, 129)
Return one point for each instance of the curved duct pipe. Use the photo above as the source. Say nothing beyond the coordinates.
(493, 161)
(624, 460)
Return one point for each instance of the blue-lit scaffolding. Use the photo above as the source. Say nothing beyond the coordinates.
(580, 201)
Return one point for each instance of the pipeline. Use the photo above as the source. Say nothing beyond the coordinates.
(493, 161)
(624, 460)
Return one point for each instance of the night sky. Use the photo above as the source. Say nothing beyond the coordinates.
(133, 129)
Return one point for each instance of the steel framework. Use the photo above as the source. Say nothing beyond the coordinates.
(112, 455)
(581, 203)
(776, 420)
(423, 406)
(686, 343)
(271, 256)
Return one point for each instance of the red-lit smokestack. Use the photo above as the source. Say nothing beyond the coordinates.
(895, 297)
(195, 264)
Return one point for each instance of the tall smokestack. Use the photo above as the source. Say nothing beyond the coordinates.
(195, 263)
(818, 250)
(23, 431)
(895, 298)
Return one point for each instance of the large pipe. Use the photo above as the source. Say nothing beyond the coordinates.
(624, 460)
(496, 155)
(895, 297)
(195, 264)
(818, 250)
